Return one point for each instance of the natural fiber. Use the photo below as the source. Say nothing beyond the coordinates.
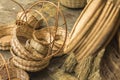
(110, 67)
(15, 74)
(5, 36)
(8, 72)
(20, 36)
(42, 49)
(74, 3)
(42, 36)
(33, 20)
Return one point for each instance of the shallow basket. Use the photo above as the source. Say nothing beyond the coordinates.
(15, 73)
(73, 3)
(5, 36)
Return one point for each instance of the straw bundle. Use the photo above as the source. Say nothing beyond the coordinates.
(5, 37)
(110, 67)
(94, 30)
(74, 3)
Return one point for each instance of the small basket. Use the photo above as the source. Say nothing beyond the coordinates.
(42, 36)
(73, 3)
(31, 18)
(42, 49)
(5, 37)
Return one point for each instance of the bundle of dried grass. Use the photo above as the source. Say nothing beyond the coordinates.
(96, 30)
(110, 67)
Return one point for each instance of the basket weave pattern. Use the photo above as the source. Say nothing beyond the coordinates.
(73, 3)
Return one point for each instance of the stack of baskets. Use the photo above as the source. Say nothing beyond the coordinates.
(5, 37)
(24, 56)
(9, 72)
(32, 48)
(74, 3)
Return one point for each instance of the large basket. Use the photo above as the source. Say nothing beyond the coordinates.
(5, 37)
(74, 3)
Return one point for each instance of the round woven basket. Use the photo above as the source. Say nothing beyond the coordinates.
(5, 37)
(15, 74)
(73, 3)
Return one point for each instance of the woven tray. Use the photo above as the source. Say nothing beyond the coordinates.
(73, 3)
(5, 36)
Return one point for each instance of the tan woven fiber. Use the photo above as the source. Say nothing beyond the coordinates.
(5, 36)
(74, 3)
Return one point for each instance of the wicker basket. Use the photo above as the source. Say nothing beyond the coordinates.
(33, 19)
(42, 36)
(15, 74)
(20, 36)
(31, 66)
(9, 72)
(73, 3)
(5, 36)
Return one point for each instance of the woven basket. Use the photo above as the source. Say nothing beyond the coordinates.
(33, 19)
(15, 74)
(42, 36)
(31, 66)
(42, 49)
(5, 36)
(9, 72)
(20, 36)
(73, 3)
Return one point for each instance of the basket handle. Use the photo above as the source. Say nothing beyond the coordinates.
(24, 11)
